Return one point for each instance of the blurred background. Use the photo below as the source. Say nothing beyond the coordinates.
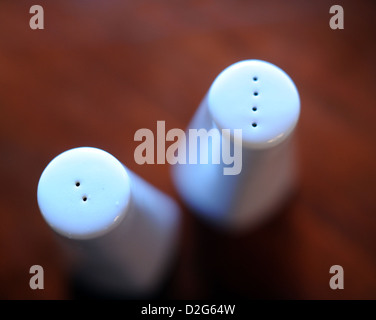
(100, 70)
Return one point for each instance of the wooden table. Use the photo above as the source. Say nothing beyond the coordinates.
(100, 70)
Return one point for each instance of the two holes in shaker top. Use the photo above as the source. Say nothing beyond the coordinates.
(84, 198)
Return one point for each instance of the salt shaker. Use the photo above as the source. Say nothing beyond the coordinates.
(119, 229)
(250, 113)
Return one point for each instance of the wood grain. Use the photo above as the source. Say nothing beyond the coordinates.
(100, 70)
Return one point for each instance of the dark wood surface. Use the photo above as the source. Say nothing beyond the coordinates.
(100, 70)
